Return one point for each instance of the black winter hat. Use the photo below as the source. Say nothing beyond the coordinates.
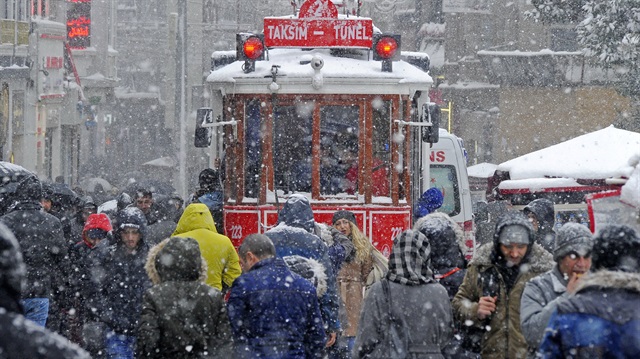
(544, 211)
(12, 270)
(131, 217)
(29, 189)
(88, 202)
(349, 216)
(209, 179)
(616, 247)
(47, 191)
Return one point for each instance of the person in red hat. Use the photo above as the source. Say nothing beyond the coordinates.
(79, 296)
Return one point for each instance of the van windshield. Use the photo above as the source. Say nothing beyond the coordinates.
(445, 179)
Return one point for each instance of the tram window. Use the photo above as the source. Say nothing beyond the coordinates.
(339, 132)
(380, 175)
(292, 148)
(253, 149)
(445, 179)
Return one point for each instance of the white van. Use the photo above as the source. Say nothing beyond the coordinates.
(448, 172)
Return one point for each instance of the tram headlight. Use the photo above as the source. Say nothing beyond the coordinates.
(386, 48)
(250, 48)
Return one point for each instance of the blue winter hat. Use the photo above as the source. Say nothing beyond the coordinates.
(430, 200)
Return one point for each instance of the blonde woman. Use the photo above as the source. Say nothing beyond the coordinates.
(352, 278)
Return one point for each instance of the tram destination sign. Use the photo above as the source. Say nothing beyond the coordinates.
(318, 25)
(318, 33)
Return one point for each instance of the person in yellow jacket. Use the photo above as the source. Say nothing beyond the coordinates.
(222, 259)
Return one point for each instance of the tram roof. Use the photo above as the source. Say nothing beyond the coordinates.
(357, 74)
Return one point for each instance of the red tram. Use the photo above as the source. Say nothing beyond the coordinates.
(324, 105)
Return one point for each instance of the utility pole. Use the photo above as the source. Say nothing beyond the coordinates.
(181, 94)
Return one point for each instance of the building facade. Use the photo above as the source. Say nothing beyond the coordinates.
(60, 92)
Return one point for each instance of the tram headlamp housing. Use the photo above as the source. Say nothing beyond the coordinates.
(250, 48)
(386, 48)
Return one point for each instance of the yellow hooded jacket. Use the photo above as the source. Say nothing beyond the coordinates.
(221, 257)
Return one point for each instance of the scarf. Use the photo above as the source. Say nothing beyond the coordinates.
(410, 263)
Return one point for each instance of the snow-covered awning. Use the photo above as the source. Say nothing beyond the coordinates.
(482, 170)
(595, 156)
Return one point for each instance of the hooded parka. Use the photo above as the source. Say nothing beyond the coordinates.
(41, 239)
(447, 249)
(182, 317)
(22, 338)
(602, 320)
(543, 209)
(120, 276)
(294, 236)
(222, 259)
(504, 338)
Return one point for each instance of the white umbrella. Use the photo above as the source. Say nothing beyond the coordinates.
(90, 184)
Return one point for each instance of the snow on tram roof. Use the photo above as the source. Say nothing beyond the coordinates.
(294, 63)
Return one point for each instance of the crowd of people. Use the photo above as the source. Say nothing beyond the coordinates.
(151, 279)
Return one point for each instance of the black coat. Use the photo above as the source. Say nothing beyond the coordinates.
(447, 249)
(21, 338)
(43, 245)
(182, 317)
(121, 281)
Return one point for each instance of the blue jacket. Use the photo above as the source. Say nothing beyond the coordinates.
(274, 313)
(293, 236)
(601, 321)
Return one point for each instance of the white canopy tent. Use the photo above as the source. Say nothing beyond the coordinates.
(598, 155)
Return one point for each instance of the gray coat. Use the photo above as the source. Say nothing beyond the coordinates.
(425, 309)
(540, 299)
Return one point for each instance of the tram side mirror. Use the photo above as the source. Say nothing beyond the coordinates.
(203, 134)
(430, 114)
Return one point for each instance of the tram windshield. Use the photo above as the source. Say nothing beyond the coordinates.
(343, 139)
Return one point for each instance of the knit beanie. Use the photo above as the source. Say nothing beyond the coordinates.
(617, 247)
(338, 215)
(572, 237)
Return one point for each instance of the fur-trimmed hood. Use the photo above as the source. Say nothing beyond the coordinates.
(538, 259)
(610, 279)
(309, 269)
(610, 295)
(440, 224)
(176, 259)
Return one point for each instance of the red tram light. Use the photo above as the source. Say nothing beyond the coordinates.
(386, 48)
(253, 48)
(250, 48)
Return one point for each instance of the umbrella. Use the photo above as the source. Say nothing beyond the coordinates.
(61, 193)
(10, 175)
(10, 172)
(155, 186)
(90, 184)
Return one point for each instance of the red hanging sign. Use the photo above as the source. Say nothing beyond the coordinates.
(318, 25)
